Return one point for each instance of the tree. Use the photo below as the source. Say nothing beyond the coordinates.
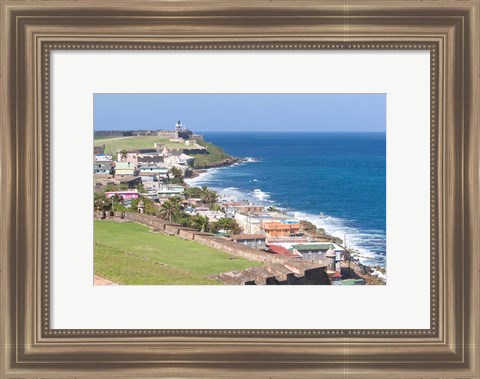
(227, 224)
(101, 203)
(123, 154)
(209, 197)
(110, 188)
(177, 174)
(140, 188)
(199, 223)
(216, 207)
(171, 208)
(117, 204)
(193, 192)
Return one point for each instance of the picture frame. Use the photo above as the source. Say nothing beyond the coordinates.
(31, 30)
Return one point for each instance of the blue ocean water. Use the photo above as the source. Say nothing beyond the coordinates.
(335, 180)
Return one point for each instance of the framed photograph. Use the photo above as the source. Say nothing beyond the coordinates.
(279, 189)
(249, 218)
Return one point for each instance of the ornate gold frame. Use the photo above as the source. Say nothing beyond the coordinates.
(449, 348)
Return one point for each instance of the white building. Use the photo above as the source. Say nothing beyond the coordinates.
(103, 157)
(169, 190)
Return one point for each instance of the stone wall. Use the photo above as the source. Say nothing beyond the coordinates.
(277, 269)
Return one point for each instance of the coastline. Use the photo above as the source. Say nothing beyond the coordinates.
(373, 274)
(197, 171)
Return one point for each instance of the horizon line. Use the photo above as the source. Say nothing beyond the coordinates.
(258, 131)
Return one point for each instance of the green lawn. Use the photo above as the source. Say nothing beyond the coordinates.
(123, 268)
(187, 256)
(114, 144)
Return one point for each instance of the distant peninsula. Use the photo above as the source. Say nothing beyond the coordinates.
(198, 153)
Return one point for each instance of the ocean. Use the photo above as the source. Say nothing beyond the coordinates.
(335, 180)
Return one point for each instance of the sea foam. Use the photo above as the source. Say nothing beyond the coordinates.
(355, 239)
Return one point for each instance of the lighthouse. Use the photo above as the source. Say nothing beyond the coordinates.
(179, 126)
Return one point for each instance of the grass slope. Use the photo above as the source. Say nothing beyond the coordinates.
(215, 155)
(114, 144)
(123, 268)
(186, 256)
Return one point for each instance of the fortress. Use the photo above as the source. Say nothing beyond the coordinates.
(179, 132)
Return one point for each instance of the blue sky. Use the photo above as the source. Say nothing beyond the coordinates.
(242, 112)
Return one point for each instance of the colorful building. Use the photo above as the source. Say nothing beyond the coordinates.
(103, 168)
(280, 229)
(255, 241)
(124, 169)
(126, 195)
(170, 190)
(153, 169)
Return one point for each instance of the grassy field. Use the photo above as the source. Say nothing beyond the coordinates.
(114, 144)
(123, 268)
(191, 262)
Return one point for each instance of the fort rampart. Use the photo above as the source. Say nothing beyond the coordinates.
(277, 269)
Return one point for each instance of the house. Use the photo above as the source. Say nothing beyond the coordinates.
(125, 169)
(98, 150)
(129, 181)
(251, 223)
(280, 250)
(131, 157)
(243, 207)
(102, 167)
(181, 159)
(315, 251)
(170, 190)
(148, 177)
(153, 169)
(103, 157)
(126, 195)
(280, 229)
(150, 159)
(212, 216)
(255, 241)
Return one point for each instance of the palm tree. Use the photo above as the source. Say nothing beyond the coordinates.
(208, 196)
(177, 174)
(200, 223)
(171, 208)
(123, 154)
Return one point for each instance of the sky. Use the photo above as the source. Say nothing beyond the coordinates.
(242, 112)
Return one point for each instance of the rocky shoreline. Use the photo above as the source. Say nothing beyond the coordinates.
(223, 163)
(352, 263)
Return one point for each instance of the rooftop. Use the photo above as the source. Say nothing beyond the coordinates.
(279, 225)
(123, 165)
(128, 179)
(317, 246)
(148, 167)
(312, 246)
(281, 251)
(248, 236)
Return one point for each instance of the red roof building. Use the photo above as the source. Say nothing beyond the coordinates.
(275, 249)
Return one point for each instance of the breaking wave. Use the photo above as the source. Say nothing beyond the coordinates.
(363, 241)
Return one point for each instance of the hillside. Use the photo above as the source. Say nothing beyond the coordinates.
(114, 144)
(215, 156)
(130, 253)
